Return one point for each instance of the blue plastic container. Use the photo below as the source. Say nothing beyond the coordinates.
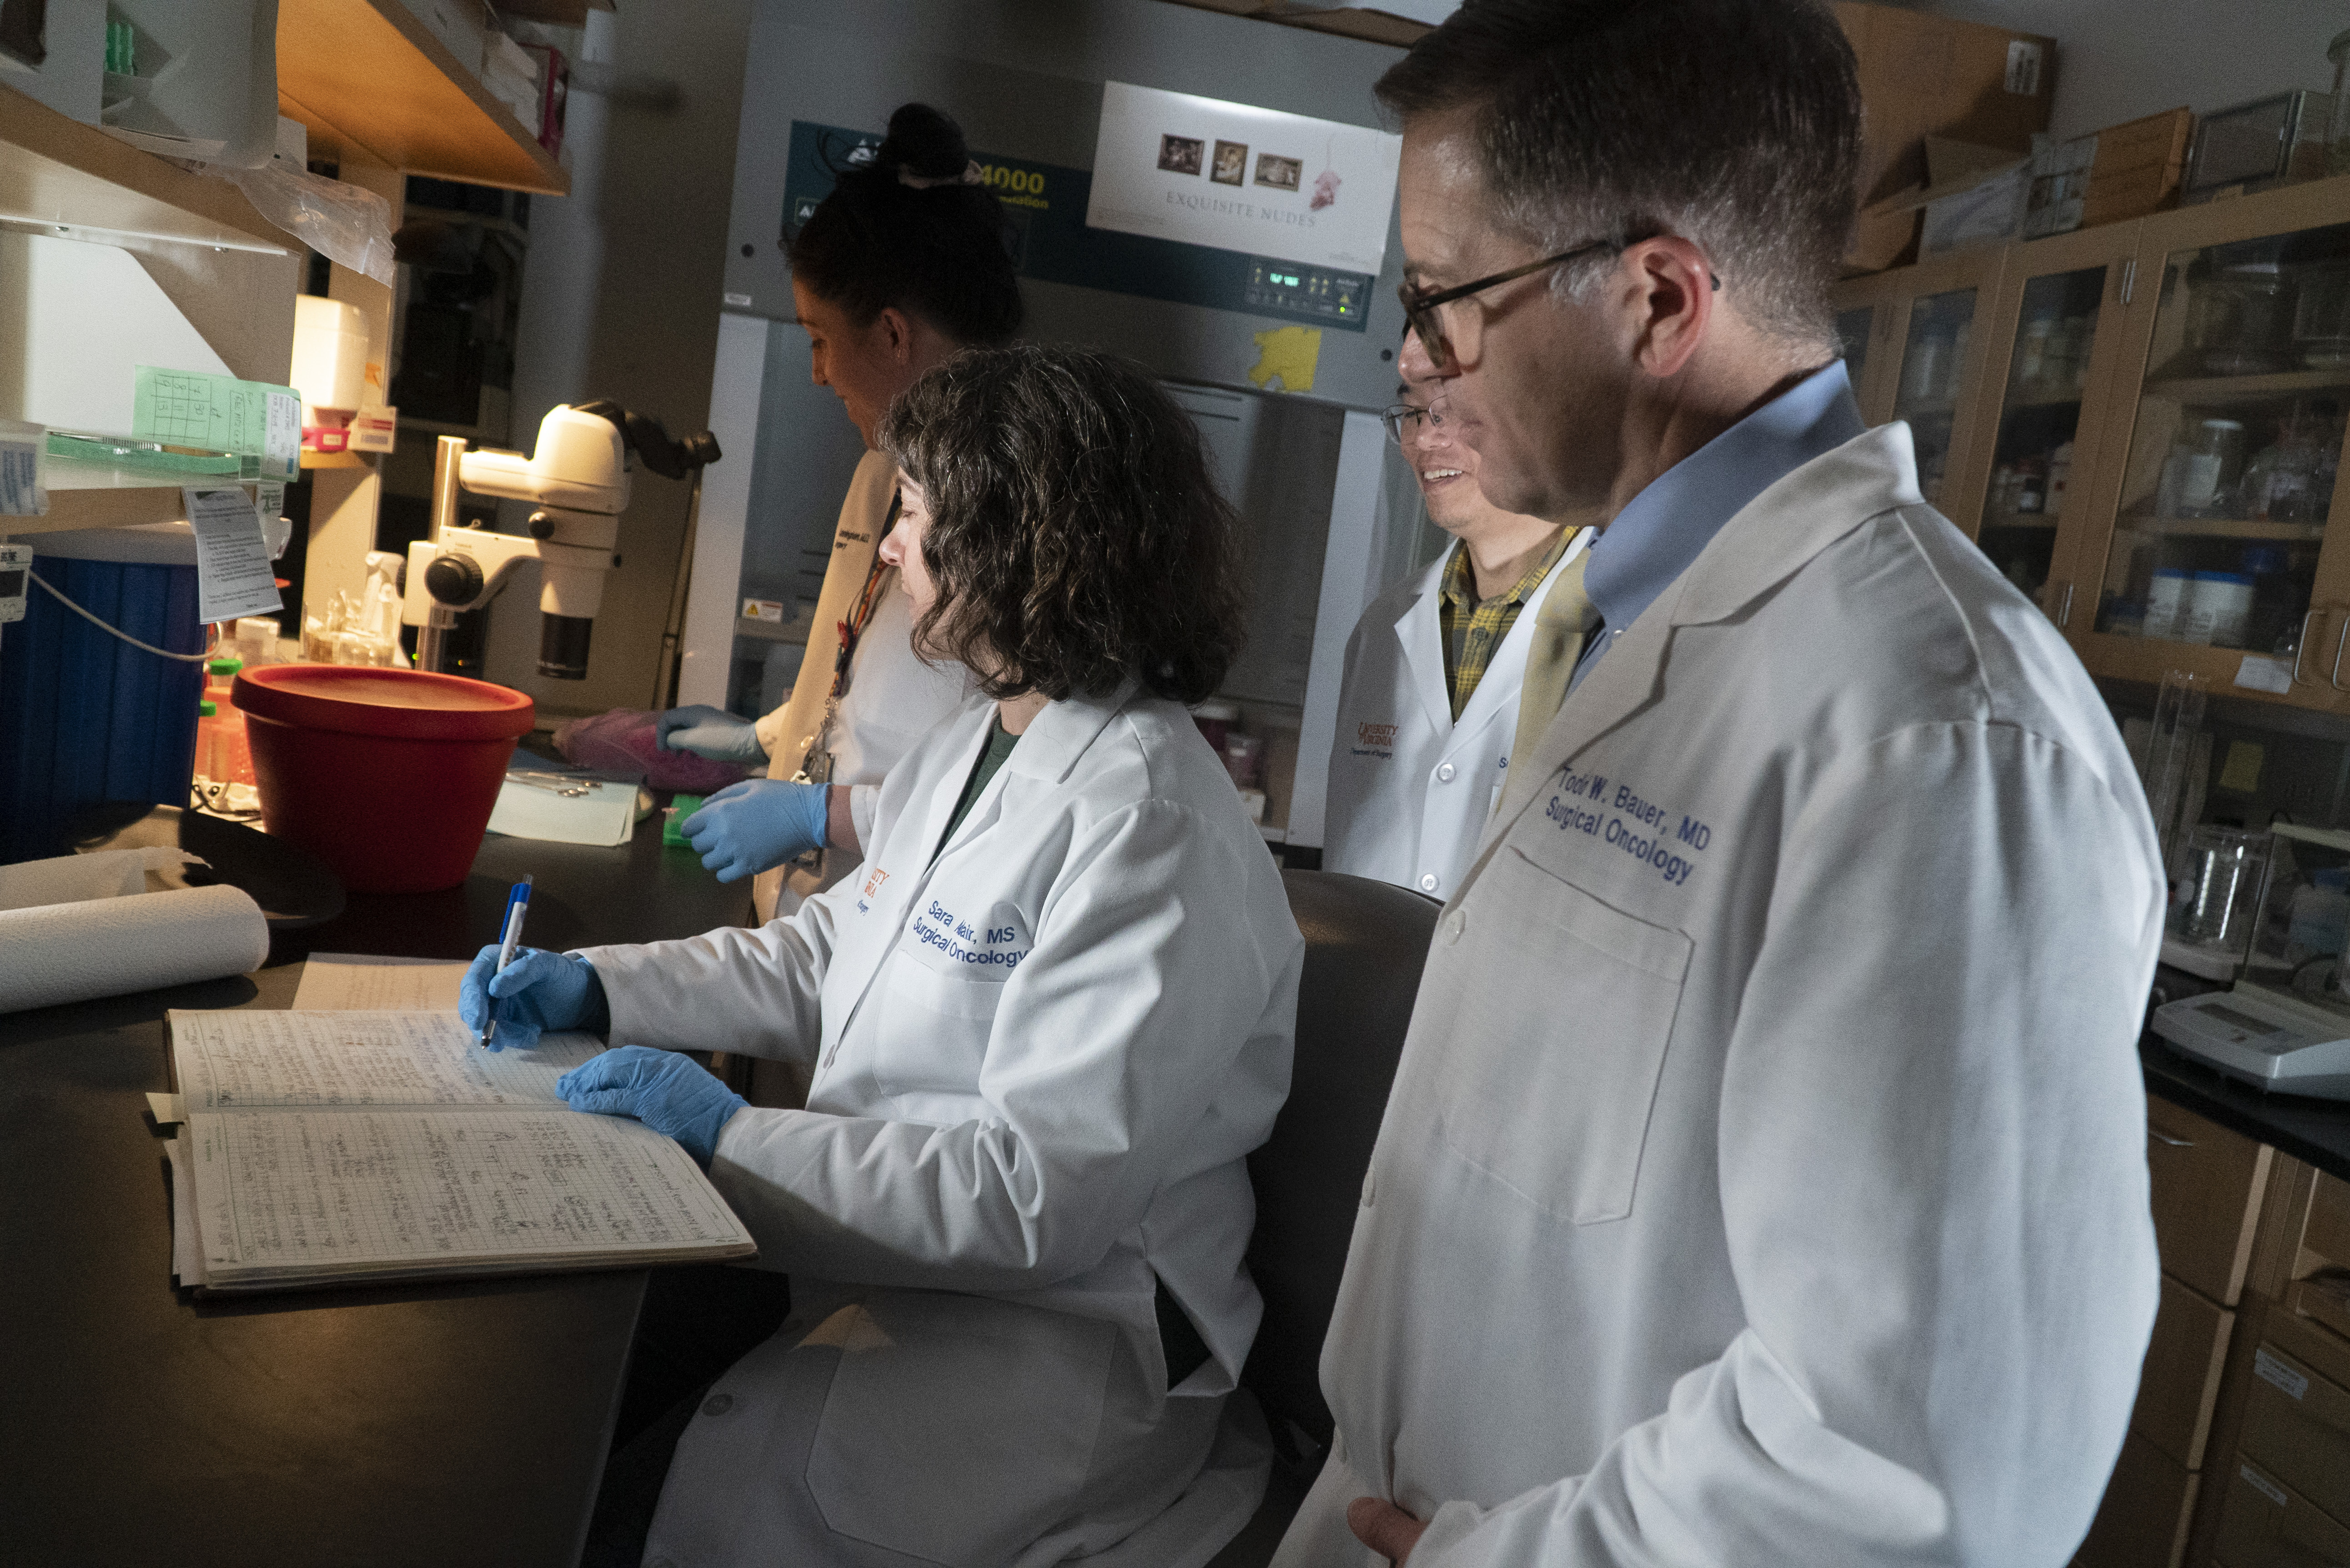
(84, 716)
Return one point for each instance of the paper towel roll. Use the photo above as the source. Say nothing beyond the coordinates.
(107, 947)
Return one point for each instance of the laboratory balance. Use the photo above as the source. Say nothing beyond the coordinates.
(2284, 1027)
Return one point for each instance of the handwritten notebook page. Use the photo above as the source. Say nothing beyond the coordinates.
(328, 1193)
(360, 982)
(252, 1058)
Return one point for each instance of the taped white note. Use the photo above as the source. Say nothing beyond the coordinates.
(2262, 674)
(21, 495)
(233, 572)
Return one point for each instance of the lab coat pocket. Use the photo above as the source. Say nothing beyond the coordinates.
(934, 1027)
(1563, 1032)
(957, 1429)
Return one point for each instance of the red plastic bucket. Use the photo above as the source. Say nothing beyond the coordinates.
(386, 775)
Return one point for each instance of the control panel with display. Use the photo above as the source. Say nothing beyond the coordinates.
(1288, 289)
(16, 571)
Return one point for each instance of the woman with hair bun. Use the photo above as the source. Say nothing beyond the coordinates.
(1048, 1019)
(905, 264)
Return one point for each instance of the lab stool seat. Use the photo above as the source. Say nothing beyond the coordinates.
(1366, 942)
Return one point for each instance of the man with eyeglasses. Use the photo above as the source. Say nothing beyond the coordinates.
(1764, 1179)
(1441, 665)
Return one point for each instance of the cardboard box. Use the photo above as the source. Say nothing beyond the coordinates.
(2137, 168)
(1976, 197)
(1925, 76)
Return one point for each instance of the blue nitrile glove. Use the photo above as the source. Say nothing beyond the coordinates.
(538, 991)
(668, 1092)
(711, 733)
(749, 826)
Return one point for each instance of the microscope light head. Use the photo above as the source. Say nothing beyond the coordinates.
(581, 465)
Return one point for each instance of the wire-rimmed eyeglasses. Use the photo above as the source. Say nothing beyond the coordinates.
(1406, 422)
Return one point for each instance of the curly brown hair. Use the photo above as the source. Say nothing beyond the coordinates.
(1075, 534)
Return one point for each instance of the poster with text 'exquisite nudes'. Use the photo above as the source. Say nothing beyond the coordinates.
(1207, 172)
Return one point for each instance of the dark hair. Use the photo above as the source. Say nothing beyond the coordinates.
(1074, 534)
(940, 250)
(1734, 124)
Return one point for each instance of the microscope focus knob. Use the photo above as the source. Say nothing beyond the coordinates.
(542, 527)
(454, 579)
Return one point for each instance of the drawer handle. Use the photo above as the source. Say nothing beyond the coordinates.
(2302, 647)
(2164, 1137)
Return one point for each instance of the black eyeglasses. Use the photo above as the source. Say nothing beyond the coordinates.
(1420, 309)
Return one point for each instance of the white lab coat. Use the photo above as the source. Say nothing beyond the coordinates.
(1038, 1064)
(893, 698)
(1410, 789)
(1764, 1176)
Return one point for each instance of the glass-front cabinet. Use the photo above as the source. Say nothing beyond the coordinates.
(2219, 550)
(1920, 357)
(2024, 494)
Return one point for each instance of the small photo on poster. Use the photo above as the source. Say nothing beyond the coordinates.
(1181, 154)
(1231, 167)
(1280, 174)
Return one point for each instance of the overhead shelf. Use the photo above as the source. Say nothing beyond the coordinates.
(369, 75)
(563, 13)
(94, 495)
(55, 170)
(1369, 25)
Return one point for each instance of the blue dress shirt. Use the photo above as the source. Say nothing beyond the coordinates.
(1665, 527)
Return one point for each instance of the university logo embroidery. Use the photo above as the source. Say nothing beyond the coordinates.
(873, 883)
(1382, 736)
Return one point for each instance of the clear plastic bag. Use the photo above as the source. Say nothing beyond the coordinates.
(346, 224)
(626, 740)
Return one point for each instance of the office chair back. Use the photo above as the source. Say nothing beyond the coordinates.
(1365, 944)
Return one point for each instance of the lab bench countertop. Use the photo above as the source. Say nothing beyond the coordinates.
(452, 1424)
(2315, 1131)
(2312, 1130)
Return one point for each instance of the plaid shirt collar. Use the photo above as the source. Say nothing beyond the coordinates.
(1474, 628)
(1460, 587)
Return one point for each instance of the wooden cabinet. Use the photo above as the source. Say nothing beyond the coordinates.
(2238, 1448)
(2265, 1524)
(2200, 378)
(2207, 1181)
(2144, 1520)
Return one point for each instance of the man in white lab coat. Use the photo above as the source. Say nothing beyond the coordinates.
(1763, 1181)
(1428, 709)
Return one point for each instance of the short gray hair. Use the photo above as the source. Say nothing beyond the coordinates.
(1734, 124)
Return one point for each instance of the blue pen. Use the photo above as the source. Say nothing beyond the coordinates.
(517, 906)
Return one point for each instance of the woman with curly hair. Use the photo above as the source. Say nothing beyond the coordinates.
(1048, 1019)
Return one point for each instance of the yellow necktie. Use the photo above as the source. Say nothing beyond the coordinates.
(1566, 619)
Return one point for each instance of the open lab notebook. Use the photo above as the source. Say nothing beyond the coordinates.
(336, 1147)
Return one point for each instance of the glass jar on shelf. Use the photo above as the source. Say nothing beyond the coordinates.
(2280, 483)
(2201, 472)
(2030, 487)
(2239, 319)
(2321, 317)
(2032, 359)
